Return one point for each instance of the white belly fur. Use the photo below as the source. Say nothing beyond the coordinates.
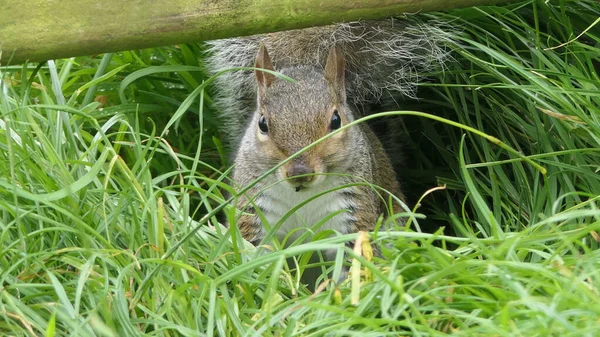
(281, 198)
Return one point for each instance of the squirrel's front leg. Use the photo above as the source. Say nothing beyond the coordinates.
(250, 227)
(366, 212)
(365, 204)
(248, 222)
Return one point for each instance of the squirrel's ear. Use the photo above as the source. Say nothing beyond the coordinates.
(335, 73)
(263, 61)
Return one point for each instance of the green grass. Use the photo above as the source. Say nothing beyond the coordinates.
(109, 166)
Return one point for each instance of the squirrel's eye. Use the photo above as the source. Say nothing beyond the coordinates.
(262, 124)
(336, 121)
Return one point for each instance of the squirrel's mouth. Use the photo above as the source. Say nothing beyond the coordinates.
(300, 181)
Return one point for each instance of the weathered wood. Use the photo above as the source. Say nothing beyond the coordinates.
(38, 30)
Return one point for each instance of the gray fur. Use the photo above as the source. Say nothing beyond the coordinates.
(384, 59)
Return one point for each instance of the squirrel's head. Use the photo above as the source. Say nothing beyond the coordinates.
(292, 115)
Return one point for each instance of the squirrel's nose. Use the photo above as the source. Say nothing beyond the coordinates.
(299, 170)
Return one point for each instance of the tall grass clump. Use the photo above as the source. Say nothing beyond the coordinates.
(112, 175)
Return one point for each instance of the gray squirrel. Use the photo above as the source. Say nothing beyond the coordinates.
(338, 69)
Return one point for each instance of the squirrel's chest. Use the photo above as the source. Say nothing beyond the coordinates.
(328, 211)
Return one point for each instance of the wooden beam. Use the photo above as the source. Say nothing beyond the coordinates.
(38, 30)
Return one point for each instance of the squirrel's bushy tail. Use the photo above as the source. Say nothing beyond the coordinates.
(384, 59)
